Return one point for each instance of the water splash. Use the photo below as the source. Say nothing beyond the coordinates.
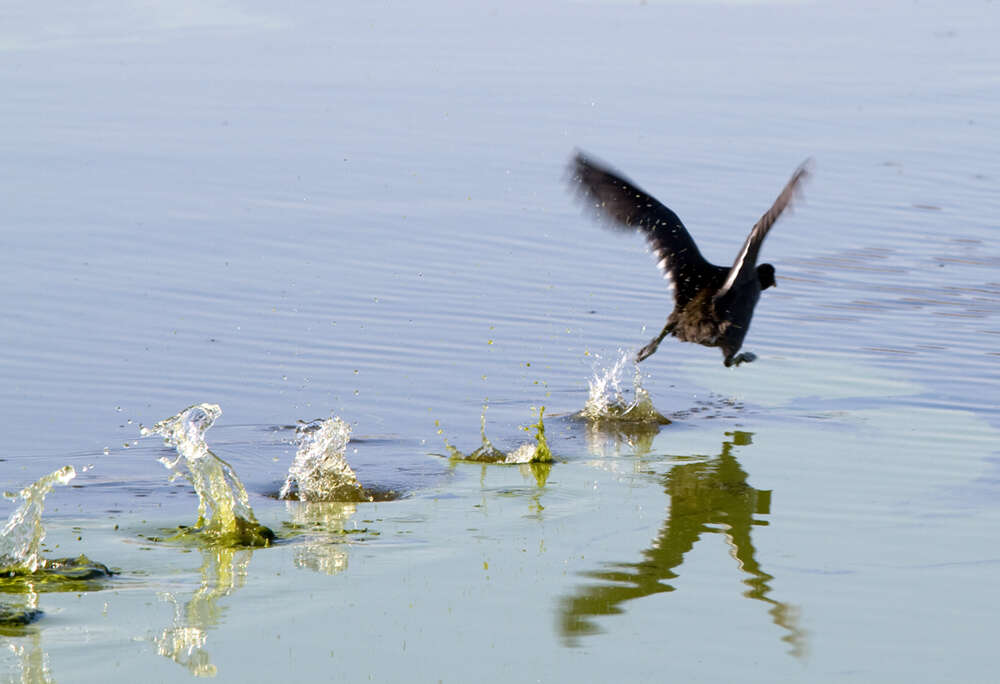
(22, 535)
(22, 567)
(530, 452)
(607, 404)
(320, 472)
(224, 513)
(541, 452)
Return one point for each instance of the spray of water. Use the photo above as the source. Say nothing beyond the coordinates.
(22, 567)
(224, 512)
(530, 452)
(320, 472)
(22, 535)
(609, 405)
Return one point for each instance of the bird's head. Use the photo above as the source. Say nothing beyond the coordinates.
(765, 274)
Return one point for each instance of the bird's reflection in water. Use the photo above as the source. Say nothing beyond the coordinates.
(710, 496)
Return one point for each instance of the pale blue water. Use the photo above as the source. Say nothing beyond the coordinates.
(362, 211)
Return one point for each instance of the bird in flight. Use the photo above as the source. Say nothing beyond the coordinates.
(713, 305)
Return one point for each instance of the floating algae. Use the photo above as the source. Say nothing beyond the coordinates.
(22, 567)
(607, 405)
(18, 612)
(541, 453)
(320, 472)
(224, 513)
(536, 452)
(14, 618)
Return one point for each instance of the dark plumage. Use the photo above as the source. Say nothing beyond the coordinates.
(713, 305)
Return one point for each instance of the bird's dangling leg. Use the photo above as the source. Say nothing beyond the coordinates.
(650, 348)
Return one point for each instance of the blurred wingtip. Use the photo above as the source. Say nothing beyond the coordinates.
(806, 168)
(802, 174)
(578, 165)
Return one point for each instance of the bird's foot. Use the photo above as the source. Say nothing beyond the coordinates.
(647, 351)
(745, 357)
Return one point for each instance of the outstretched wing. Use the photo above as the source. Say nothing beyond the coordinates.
(630, 208)
(745, 266)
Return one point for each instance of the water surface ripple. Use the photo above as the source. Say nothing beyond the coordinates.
(361, 210)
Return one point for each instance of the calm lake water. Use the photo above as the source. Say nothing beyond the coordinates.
(362, 211)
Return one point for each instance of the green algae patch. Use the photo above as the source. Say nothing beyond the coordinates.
(11, 619)
(54, 575)
(626, 414)
(246, 533)
(537, 452)
(542, 452)
(612, 412)
(485, 453)
(348, 495)
(242, 533)
(296, 529)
